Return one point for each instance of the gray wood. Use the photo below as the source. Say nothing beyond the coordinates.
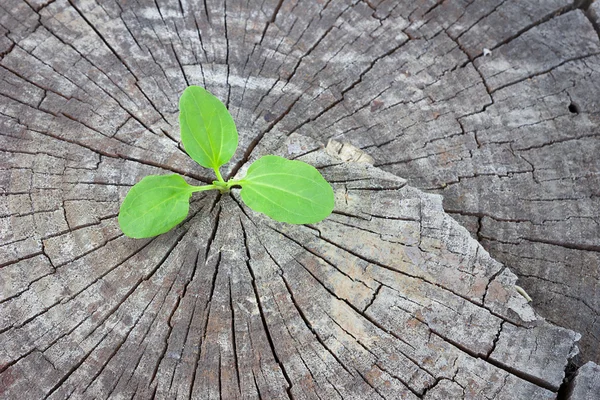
(586, 383)
(388, 298)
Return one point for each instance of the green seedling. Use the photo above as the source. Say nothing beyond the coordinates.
(285, 190)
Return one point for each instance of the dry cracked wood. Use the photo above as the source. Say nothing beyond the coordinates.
(88, 106)
(388, 298)
(586, 383)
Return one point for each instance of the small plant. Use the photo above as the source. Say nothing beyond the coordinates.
(285, 190)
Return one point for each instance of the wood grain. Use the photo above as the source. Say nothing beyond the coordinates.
(389, 297)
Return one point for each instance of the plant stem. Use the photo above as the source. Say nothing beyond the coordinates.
(203, 188)
(223, 187)
(231, 183)
(218, 173)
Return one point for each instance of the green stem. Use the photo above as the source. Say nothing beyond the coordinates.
(218, 173)
(203, 188)
(231, 183)
(223, 187)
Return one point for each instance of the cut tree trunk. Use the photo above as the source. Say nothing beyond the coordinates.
(585, 384)
(389, 297)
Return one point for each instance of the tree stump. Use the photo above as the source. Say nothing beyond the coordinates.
(389, 297)
(586, 383)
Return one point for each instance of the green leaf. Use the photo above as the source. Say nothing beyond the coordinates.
(287, 191)
(208, 132)
(155, 205)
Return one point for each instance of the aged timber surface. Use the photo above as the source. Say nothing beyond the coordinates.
(493, 105)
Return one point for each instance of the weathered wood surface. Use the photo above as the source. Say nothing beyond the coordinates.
(586, 383)
(359, 306)
(388, 298)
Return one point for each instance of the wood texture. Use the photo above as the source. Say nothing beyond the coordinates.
(586, 383)
(390, 297)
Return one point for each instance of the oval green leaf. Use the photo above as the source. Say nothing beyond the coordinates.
(155, 205)
(208, 132)
(287, 191)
